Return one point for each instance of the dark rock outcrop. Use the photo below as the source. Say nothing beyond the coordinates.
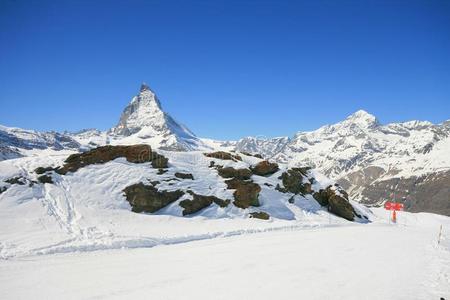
(223, 155)
(184, 175)
(246, 193)
(17, 180)
(260, 215)
(230, 172)
(257, 155)
(147, 198)
(337, 202)
(45, 179)
(265, 168)
(200, 202)
(296, 181)
(341, 207)
(161, 171)
(134, 154)
(42, 170)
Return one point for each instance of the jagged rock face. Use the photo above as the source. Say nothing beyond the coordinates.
(147, 198)
(266, 147)
(144, 116)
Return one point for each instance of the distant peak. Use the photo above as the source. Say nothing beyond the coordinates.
(145, 87)
(361, 114)
(362, 117)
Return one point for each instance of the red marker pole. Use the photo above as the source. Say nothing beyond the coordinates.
(394, 207)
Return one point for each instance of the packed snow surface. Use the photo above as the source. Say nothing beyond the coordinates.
(349, 261)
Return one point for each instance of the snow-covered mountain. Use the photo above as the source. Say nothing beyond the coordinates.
(372, 160)
(144, 120)
(17, 142)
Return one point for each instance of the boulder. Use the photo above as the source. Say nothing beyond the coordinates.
(147, 198)
(265, 168)
(161, 171)
(230, 172)
(260, 215)
(337, 202)
(246, 193)
(223, 155)
(184, 175)
(42, 170)
(200, 202)
(45, 179)
(341, 207)
(295, 181)
(134, 154)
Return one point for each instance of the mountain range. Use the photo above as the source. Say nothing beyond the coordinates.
(408, 162)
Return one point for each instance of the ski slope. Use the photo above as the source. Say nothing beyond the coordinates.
(359, 261)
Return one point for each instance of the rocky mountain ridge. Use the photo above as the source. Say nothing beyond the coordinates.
(374, 162)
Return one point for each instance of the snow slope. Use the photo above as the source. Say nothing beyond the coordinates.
(87, 209)
(360, 261)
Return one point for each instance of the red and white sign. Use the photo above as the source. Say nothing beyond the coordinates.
(393, 206)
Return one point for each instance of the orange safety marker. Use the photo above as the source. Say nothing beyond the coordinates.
(394, 206)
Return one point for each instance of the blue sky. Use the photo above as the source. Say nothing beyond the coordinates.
(225, 69)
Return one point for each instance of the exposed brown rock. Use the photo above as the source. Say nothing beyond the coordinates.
(42, 170)
(260, 215)
(223, 155)
(45, 179)
(230, 172)
(264, 168)
(246, 193)
(341, 207)
(200, 202)
(16, 180)
(295, 181)
(184, 175)
(147, 198)
(134, 154)
(161, 171)
(336, 203)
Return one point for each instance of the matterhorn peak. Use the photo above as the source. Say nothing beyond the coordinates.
(145, 87)
(144, 118)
